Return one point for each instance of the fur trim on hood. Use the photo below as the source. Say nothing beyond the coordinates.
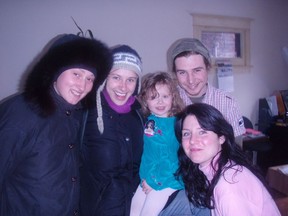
(66, 52)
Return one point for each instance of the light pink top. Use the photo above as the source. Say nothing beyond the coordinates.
(241, 194)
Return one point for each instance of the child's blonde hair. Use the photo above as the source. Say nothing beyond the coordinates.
(149, 82)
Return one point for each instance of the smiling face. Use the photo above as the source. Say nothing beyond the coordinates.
(121, 84)
(74, 84)
(199, 145)
(160, 102)
(192, 74)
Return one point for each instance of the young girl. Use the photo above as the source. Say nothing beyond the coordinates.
(214, 170)
(160, 102)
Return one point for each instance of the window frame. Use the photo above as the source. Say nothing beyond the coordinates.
(228, 24)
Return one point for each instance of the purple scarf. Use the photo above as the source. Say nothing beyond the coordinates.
(125, 108)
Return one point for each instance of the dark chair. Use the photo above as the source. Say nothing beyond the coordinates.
(257, 145)
(247, 122)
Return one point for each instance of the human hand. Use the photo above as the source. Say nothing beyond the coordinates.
(145, 187)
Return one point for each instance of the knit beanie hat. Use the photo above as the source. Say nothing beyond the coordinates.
(185, 45)
(124, 57)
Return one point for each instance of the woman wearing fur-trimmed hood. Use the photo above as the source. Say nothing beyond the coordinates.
(39, 129)
(66, 52)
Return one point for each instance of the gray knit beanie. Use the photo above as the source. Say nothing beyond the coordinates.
(187, 45)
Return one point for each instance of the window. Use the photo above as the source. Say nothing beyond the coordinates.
(227, 38)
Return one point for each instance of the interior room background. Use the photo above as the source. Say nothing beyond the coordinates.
(149, 26)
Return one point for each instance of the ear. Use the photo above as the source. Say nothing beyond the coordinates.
(221, 139)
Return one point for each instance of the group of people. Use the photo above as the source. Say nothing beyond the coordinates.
(91, 135)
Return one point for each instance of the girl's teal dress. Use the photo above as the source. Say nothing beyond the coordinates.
(159, 160)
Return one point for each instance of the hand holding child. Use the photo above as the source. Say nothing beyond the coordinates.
(145, 187)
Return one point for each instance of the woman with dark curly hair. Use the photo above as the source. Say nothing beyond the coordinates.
(214, 169)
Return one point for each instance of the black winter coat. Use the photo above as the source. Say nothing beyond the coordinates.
(39, 160)
(39, 132)
(110, 172)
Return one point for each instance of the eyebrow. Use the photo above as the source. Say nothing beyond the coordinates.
(185, 129)
(196, 68)
(115, 74)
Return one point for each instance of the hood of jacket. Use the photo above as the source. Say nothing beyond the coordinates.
(66, 52)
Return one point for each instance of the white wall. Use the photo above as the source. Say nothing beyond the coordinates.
(150, 27)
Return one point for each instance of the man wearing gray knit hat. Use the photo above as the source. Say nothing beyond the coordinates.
(112, 144)
(190, 62)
